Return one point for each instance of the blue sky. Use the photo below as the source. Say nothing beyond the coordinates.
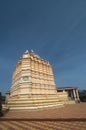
(54, 29)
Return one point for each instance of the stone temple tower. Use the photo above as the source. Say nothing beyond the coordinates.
(33, 84)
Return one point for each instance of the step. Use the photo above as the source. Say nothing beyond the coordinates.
(35, 107)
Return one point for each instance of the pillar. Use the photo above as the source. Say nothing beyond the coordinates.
(74, 93)
(77, 95)
(63, 90)
(71, 91)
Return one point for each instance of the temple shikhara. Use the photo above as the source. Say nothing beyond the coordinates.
(33, 85)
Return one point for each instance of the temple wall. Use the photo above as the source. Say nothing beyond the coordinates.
(33, 84)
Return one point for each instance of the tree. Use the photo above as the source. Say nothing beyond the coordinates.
(82, 95)
(1, 114)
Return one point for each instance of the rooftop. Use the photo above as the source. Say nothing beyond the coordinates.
(61, 88)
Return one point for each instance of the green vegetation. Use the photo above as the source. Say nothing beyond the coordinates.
(1, 114)
(82, 95)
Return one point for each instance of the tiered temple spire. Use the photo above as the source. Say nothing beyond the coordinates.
(33, 84)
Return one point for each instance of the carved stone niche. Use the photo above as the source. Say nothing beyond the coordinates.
(25, 78)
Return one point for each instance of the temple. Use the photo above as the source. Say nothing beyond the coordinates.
(33, 85)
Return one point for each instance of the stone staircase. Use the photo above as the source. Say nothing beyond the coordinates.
(31, 103)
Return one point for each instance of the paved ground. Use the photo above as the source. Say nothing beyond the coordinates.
(70, 117)
(69, 111)
(44, 125)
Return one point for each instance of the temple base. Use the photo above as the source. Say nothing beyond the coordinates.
(40, 101)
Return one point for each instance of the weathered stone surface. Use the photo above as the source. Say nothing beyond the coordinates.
(33, 85)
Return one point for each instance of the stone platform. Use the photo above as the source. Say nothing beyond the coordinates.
(70, 117)
(73, 111)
